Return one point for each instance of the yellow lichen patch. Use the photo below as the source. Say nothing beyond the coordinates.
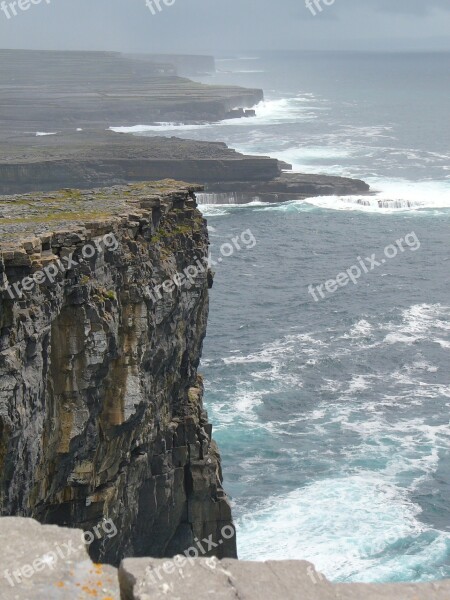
(83, 471)
(89, 591)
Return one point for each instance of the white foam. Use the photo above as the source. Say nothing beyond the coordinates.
(443, 343)
(361, 329)
(44, 133)
(214, 210)
(268, 112)
(395, 196)
(399, 338)
(159, 127)
(421, 321)
(314, 523)
(357, 384)
(279, 350)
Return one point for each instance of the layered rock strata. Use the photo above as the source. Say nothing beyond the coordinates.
(94, 158)
(47, 91)
(101, 413)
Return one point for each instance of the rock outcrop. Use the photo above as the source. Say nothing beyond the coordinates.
(95, 158)
(101, 413)
(286, 186)
(103, 158)
(145, 579)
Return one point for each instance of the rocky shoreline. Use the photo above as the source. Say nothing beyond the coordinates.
(101, 403)
(91, 91)
(64, 91)
(100, 158)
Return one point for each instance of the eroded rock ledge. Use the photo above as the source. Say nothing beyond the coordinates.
(103, 158)
(38, 566)
(101, 413)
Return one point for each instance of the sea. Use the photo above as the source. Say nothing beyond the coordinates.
(331, 401)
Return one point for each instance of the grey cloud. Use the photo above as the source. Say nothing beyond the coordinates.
(218, 26)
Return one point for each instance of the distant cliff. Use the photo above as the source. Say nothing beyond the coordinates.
(184, 64)
(101, 412)
(47, 91)
(95, 158)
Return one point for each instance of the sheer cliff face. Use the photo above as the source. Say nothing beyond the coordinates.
(101, 410)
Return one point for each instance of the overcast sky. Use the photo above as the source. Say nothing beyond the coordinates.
(228, 26)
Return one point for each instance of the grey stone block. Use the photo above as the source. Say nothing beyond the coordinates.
(210, 579)
(46, 562)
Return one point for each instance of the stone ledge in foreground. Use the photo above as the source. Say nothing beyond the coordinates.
(210, 579)
(46, 562)
(74, 576)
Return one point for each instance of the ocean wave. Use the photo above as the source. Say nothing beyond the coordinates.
(160, 127)
(393, 196)
(416, 198)
(313, 523)
(419, 322)
(268, 112)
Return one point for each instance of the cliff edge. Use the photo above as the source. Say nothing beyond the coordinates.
(103, 312)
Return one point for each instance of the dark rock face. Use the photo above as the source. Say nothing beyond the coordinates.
(290, 186)
(103, 158)
(101, 412)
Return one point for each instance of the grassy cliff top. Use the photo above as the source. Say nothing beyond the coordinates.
(38, 213)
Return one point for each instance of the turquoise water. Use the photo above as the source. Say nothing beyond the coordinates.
(333, 416)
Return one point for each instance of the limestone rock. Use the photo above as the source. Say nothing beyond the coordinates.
(48, 562)
(203, 579)
(101, 412)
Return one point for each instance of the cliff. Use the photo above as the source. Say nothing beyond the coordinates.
(184, 64)
(101, 413)
(95, 158)
(47, 91)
